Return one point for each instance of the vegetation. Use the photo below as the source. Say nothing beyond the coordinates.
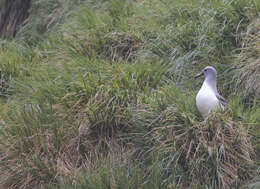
(100, 94)
(13, 15)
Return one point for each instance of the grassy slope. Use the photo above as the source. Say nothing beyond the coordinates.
(102, 96)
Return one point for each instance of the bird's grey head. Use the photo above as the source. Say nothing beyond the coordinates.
(209, 72)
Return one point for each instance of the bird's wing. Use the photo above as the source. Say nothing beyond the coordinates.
(222, 100)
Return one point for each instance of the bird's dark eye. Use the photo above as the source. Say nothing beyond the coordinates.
(205, 70)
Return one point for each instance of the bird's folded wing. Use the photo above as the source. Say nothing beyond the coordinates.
(222, 100)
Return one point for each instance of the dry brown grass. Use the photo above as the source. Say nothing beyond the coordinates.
(93, 143)
(86, 151)
(123, 46)
(216, 151)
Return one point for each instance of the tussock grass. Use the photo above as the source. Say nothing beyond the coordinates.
(193, 33)
(16, 60)
(123, 45)
(216, 152)
(102, 95)
(96, 104)
(106, 176)
(44, 16)
(247, 62)
(93, 34)
(41, 135)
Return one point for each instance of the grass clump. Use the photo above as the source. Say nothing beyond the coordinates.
(104, 175)
(93, 34)
(123, 45)
(193, 33)
(32, 144)
(95, 100)
(16, 59)
(217, 153)
(247, 62)
(43, 17)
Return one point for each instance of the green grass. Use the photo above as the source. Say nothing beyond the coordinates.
(104, 176)
(100, 94)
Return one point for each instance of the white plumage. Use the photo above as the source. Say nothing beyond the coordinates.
(208, 98)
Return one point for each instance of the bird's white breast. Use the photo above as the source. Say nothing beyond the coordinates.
(206, 100)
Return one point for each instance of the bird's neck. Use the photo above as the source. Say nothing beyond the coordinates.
(211, 83)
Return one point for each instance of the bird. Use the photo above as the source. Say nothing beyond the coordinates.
(208, 98)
